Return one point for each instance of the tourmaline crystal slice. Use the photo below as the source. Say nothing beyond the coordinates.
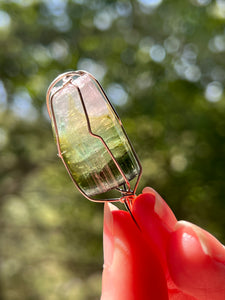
(88, 161)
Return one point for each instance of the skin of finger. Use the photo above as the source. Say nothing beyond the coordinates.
(157, 221)
(156, 227)
(192, 267)
(134, 271)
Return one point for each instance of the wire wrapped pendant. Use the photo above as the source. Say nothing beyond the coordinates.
(90, 138)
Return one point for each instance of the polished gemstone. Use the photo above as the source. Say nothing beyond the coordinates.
(79, 111)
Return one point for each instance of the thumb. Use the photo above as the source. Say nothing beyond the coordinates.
(196, 262)
(131, 269)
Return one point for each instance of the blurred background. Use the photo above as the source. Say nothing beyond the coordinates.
(161, 62)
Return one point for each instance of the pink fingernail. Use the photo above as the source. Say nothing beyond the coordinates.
(161, 208)
(108, 235)
(199, 232)
(158, 207)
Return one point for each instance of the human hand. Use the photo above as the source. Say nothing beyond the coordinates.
(164, 259)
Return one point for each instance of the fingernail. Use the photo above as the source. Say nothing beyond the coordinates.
(108, 235)
(200, 235)
(161, 208)
(202, 239)
(158, 207)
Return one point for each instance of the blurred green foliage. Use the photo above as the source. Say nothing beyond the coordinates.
(162, 64)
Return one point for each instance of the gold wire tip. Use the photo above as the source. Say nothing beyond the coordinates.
(90, 138)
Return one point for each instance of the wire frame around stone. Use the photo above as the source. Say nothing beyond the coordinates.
(90, 138)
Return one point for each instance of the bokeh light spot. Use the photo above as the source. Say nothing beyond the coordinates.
(59, 50)
(123, 9)
(117, 94)
(5, 20)
(217, 43)
(178, 162)
(150, 3)
(22, 106)
(157, 53)
(103, 20)
(192, 73)
(172, 44)
(56, 7)
(93, 67)
(214, 91)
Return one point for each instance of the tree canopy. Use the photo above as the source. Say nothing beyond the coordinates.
(161, 62)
